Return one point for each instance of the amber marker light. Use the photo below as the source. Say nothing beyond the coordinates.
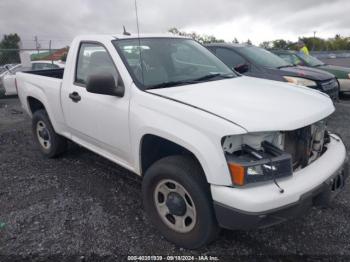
(237, 174)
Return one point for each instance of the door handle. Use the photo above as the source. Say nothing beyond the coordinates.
(75, 97)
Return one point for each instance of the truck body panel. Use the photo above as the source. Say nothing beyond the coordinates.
(257, 105)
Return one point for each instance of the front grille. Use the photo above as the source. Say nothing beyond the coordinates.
(305, 144)
(298, 144)
(331, 88)
(329, 84)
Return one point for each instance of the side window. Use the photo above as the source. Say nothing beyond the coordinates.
(93, 59)
(229, 57)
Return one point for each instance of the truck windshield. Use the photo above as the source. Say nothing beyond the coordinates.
(263, 57)
(166, 62)
(310, 60)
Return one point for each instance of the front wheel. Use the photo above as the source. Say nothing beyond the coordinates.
(178, 201)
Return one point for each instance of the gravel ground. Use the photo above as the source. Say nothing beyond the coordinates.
(82, 207)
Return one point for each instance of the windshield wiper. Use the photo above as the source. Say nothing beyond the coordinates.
(190, 81)
(168, 84)
(284, 66)
(210, 76)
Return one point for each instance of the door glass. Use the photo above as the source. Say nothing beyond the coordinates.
(93, 59)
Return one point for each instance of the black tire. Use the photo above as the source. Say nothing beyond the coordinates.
(58, 144)
(187, 172)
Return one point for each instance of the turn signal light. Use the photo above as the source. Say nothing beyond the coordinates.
(237, 174)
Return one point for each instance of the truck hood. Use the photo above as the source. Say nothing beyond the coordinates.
(257, 105)
(339, 71)
(307, 72)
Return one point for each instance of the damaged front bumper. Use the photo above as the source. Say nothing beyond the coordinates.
(264, 205)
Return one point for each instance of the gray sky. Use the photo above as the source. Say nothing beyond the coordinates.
(258, 20)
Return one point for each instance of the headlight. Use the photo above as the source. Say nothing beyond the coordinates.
(300, 81)
(256, 162)
(349, 76)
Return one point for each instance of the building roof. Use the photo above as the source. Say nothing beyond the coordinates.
(56, 55)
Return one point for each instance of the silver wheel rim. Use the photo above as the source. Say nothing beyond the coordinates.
(183, 222)
(43, 135)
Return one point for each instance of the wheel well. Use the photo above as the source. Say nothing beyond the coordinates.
(35, 104)
(154, 148)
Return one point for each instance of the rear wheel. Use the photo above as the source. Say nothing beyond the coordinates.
(178, 201)
(50, 143)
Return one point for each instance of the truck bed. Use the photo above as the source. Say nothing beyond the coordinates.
(55, 73)
(44, 86)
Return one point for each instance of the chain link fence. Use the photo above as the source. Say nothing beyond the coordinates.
(12, 56)
(16, 60)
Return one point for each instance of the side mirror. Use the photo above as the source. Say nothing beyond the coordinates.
(104, 84)
(243, 68)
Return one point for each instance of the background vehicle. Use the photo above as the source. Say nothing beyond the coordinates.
(8, 80)
(5, 70)
(296, 58)
(214, 149)
(257, 62)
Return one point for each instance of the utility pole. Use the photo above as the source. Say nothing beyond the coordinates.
(50, 51)
(313, 46)
(37, 44)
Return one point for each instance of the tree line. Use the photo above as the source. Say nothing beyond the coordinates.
(12, 41)
(313, 43)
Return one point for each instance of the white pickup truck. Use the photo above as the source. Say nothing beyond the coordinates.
(214, 148)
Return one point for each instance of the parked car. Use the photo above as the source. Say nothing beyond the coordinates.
(258, 62)
(8, 80)
(5, 70)
(297, 58)
(214, 148)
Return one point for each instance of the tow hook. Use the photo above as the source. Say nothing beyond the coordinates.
(337, 182)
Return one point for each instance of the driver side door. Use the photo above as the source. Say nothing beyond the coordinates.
(99, 122)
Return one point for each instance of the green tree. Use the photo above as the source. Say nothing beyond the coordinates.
(249, 42)
(11, 43)
(266, 45)
(204, 39)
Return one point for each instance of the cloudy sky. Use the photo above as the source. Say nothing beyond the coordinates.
(258, 20)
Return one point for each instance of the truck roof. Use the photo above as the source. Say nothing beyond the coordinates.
(109, 37)
(227, 45)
